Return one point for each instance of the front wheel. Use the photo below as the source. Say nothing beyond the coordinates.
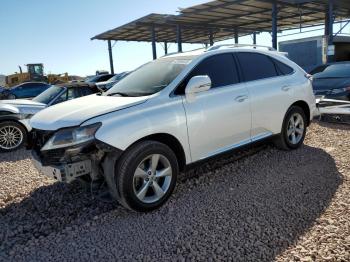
(146, 175)
(12, 136)
(293, 130)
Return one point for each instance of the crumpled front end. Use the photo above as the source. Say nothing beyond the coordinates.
(68, 163)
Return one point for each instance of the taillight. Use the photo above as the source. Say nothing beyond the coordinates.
(310, 77)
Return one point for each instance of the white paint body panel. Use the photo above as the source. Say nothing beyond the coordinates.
(21, 106)
(216, 120)
(76, 111)
(210, 123)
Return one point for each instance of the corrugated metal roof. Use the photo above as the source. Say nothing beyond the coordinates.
(222, 17)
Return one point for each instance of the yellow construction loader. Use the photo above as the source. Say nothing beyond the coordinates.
(35, 73)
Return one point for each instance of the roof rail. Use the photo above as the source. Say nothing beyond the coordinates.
(216, 47)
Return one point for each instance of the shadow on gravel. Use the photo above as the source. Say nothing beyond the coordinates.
(337, 126)
(14, 156)
(249, 209)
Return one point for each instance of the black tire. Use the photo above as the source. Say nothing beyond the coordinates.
(282, 141)
(126, 167)
(18, 127)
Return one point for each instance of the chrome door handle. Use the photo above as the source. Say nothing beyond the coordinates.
(241, 98)
(285, 88)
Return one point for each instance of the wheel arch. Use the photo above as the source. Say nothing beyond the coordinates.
(13, 119)
(305, 107)
(172, 142)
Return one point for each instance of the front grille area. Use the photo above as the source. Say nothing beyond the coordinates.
(38, 138)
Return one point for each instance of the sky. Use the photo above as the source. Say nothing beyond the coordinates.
(57, 33)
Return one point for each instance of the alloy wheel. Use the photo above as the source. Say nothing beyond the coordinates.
(295, 129)
(10, 137)
(152, 178)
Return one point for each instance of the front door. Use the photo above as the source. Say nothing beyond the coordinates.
(218, 119)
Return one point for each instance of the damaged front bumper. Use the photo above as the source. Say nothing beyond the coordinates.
(67, 172)
(68, 164)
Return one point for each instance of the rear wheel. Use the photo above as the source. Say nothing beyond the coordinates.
(146, 176)
(293, 129)
(12, 136)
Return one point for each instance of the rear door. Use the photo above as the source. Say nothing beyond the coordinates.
(270, 89)
(218, 119)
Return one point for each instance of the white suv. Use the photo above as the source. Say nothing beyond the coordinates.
(169, 113)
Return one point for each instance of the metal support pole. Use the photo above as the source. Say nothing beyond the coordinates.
(154, 48)
(254, 38)
(178, 38)
(274, 24)
(236, 35)
(110, 56)
(211, 39)
(165, 47)
(326, 24)
(330, 20)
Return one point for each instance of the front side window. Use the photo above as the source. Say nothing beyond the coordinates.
(151, 77)
(221, 70)
(256, 66)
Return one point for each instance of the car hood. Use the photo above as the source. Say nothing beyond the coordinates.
(77, 111)
(330, 83)
(21, 106)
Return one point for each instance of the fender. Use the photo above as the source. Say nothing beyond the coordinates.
(8, 116)
(5, 116)
(9, 108)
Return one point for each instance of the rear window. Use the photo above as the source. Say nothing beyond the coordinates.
(282, 68)
(256, 66)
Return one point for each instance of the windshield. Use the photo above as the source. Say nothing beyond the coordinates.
(331, 71)
(49, 94)
(151, 77)
(117, 77)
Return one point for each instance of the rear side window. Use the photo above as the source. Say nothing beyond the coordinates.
(84, 91)
(256, 66)
(220, 68)
(282, 68)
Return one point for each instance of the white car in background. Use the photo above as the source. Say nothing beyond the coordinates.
(15, 114)
(170, 113)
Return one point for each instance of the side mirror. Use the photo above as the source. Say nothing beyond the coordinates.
(197, 84)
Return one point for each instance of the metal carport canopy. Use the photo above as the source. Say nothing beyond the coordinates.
(224, 17)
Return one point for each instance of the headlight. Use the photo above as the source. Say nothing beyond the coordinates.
(72, 136)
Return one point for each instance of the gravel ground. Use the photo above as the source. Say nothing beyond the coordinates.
(270, 205)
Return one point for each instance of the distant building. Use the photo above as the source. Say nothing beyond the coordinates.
(2, 80)
(311, 52)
